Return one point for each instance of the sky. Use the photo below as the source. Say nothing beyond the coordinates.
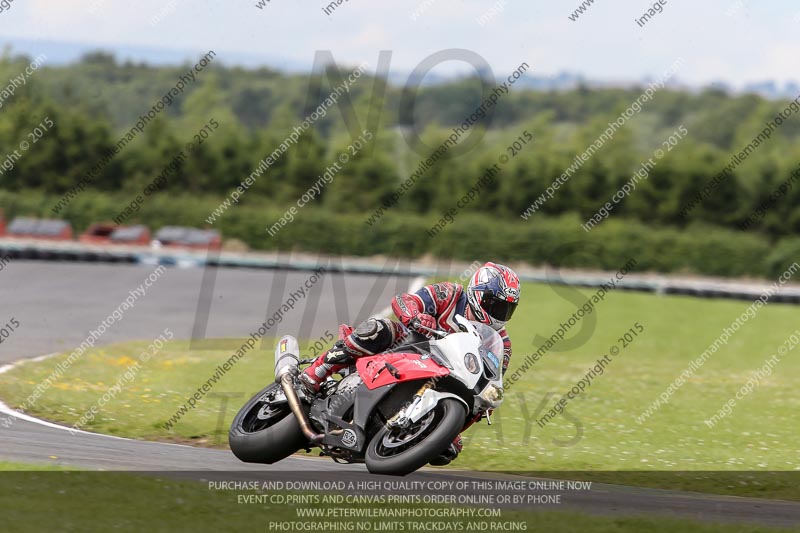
(733, 41)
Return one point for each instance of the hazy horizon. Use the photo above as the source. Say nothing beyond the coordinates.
(757, 39)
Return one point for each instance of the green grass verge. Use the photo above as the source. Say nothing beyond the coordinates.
(110, 501)
(598, 431)
(7, 466)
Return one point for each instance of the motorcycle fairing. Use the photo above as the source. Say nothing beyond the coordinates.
(328, 413)
(385, 369)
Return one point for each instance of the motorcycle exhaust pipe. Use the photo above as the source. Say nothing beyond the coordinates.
(287, 383)
(287, 361)
(287, 358)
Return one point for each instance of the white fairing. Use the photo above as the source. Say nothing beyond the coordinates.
(456, 345)
(478, 339)
(428, 401)
(456, 348)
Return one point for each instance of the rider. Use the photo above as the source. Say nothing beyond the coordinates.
(491, 297)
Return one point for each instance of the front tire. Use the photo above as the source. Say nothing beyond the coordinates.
(392, 452)
(263, 433)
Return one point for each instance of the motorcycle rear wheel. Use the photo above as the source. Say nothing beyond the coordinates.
(264, 433)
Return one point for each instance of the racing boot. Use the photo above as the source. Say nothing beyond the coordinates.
(327, 364)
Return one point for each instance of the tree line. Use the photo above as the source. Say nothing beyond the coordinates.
(93, 101)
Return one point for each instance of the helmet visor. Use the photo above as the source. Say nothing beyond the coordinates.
(497, 308)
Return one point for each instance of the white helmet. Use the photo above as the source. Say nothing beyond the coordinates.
(493, 294)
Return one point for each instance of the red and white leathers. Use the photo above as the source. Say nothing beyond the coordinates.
(372, 336)
(443, 301)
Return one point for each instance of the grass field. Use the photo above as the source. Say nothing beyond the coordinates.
(597, 432)
(112, 501)
(7, 466)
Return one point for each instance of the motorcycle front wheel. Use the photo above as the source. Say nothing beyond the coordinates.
(400, 451)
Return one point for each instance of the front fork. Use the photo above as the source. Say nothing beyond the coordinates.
(421, 404)
(401, 419)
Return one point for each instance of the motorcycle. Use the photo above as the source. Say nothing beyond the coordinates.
(395, 411)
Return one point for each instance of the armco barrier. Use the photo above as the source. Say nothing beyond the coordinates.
(185, 258)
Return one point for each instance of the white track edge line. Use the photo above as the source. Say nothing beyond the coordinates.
(6, 410)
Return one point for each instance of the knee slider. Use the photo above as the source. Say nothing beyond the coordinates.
(368, 330)
(370, 337)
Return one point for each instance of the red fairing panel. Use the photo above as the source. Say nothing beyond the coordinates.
(411, 366)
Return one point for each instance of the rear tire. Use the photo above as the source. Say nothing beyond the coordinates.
(261, 433)
(448, 415)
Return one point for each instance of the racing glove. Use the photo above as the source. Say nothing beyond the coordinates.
(426, 321)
